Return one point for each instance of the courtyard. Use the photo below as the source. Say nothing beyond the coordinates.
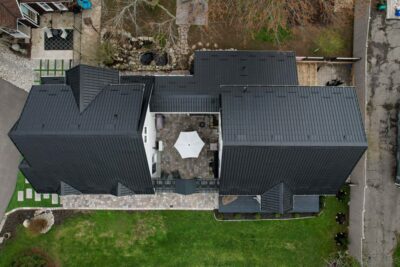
(171, 162)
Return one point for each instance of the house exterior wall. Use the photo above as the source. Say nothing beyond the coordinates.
(149, 139)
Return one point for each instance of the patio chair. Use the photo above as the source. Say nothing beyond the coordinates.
(64, 34)
(47, 32)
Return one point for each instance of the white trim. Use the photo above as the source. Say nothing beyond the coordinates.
(17, 33)
(28, 18)
(45, 6)
(60, 6)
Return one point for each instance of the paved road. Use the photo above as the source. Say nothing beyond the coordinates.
(382, 197)
(12, 99)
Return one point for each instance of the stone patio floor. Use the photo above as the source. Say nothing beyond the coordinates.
(158, 201)
(171, 160)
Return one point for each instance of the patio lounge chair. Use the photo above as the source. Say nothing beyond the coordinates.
(64, 34)
(47, 32)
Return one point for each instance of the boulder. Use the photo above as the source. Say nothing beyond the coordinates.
(146, 58)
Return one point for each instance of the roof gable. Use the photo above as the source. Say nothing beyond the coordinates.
(51, 109)
(278, 199)
(87, 82)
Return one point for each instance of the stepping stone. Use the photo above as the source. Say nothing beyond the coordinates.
(20, 196)
(54, 199)
(29, 193)
(38, 197)
(26, 181)
(46, 196)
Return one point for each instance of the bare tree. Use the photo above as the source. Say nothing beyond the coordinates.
(128, 13)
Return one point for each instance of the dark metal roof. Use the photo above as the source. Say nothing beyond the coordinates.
(242, 204)
(52, 80)
(305, 203)
(91, 152)
(316, 170)
(184, 94)
(123, 190)
(245, 67)
(185, 186)
(291, 115)
(66, 189)
(200, 92)
(51, 109)
(148, 82)
(87, 82)
(278, 199)
(310, 138)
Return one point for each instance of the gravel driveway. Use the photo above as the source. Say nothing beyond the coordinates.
(15, 69)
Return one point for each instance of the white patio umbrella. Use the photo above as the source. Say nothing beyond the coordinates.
(189, 144)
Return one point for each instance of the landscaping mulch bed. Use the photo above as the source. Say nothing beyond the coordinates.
(16, 219)
(260, 216)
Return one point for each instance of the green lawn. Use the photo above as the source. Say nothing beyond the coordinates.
(182, 238)
(396, 254)
(22, 186)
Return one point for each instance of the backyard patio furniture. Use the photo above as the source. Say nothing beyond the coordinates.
(61, 39)
(47, 32)
(214, 146)
(189, 144)
(160, 121)
(64, 34)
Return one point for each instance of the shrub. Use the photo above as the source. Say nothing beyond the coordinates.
(237, 216)
(270, 36)
(219, 216)
(329, 43)
(257, 216)
(105, 53)
(342, 259)
(278, 215)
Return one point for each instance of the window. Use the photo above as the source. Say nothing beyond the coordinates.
(29, 13)
(145, 138)
(145, 130)
(45, 7)
(60, 6)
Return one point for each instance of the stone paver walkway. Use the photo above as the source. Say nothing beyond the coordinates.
(20, 196)
(54, 199)
(28, 193)
(159, 201)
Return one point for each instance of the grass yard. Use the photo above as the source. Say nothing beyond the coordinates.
(181, 238)
(22, 186)
(396, 254)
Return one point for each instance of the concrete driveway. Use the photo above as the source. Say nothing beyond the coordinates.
(12, 100)
(382, 197)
